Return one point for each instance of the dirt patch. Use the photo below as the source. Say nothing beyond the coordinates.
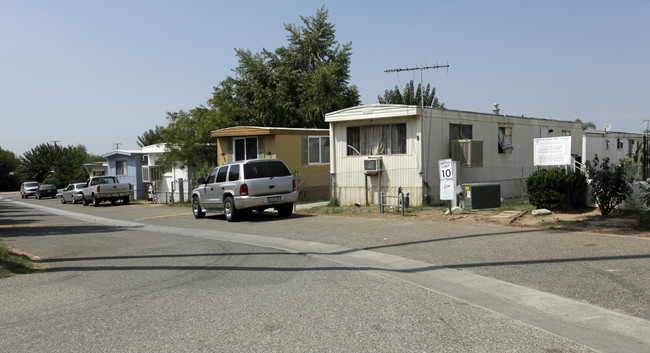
(585, 220)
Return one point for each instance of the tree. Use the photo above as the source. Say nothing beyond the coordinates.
(586, 125)
(294, 86)
(410, 96)
(37, 163)
(8, 165)
(609, 187)
(54, 164)
(188, 138)
(151, 137)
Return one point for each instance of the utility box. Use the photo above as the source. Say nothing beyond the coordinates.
(482, 195)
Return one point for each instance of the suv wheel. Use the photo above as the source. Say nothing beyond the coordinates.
(229, 210)
(285, 210)
(196, 208)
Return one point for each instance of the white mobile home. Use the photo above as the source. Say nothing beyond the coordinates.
(410, 140)
(613, 145)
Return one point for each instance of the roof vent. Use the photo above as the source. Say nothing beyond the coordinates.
(496, 109)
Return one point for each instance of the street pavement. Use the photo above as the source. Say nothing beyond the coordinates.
(589, 288)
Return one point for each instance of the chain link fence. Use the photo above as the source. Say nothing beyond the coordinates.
(424, 188)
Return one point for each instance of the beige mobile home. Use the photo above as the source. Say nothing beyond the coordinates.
(305, 150)
(410, 140)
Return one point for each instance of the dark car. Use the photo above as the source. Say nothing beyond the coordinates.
(28, 188)
(72, 193)
(45, 190)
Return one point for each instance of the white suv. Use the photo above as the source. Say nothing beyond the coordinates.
(236, 189)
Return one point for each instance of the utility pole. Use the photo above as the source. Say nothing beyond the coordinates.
(645, 149)
(117, 145)
(421, 68)
(55, 141)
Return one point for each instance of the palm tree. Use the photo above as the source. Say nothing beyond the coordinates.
(586, 125)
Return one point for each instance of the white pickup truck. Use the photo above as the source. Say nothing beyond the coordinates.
(106, 188)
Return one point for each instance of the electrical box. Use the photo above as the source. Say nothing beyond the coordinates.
(482, 195)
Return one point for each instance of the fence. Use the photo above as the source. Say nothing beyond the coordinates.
(311, 187)
(356, 187)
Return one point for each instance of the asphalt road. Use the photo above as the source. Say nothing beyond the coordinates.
(116, 287)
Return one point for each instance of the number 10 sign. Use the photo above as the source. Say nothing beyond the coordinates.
(447, 169)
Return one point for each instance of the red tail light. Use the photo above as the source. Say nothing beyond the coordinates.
(243, 190)
(130, 186)
(97, 188)
(294, 184)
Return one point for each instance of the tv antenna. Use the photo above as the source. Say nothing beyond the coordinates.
(421, 68)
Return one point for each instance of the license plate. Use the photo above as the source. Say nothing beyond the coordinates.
(274, 199)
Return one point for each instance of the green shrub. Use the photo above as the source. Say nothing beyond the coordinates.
(556, 190)
(609, 187)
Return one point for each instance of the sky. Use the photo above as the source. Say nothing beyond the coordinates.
(101, 73)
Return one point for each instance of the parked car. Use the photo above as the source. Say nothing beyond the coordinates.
(73, 193)
(45, 190)
(238, 188)
(106, 188)
(28, 188)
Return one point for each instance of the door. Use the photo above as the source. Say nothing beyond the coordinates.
(208, 194)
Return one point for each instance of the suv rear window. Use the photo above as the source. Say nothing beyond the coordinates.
(268, 169)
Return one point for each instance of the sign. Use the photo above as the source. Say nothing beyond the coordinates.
(447, 169)
(447, 190)
(550, 151)
(447, 179)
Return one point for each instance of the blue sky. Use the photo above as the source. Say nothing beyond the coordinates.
(103, 72)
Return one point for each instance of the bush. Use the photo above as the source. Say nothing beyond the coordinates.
(609, 187)
(556, 190)
(642, 215)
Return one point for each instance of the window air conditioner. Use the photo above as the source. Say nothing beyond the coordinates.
(150, 174)
(468, 152)
(372, 165)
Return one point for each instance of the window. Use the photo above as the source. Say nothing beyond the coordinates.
(619, 144)
(221, 174)
(265, 169)
(245, 148)
(460, 132)
(505, 139)
(233, 174)
(319, 149)
(606, 144)
(120, 168)
(212, 176)
(566, 132)
(377, 139)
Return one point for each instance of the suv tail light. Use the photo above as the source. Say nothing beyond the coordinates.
(97, 188)
(243, 190)
(294, 184)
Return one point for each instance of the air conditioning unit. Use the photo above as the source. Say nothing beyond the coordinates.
(150, 174)
(372, 165)
(468, 152)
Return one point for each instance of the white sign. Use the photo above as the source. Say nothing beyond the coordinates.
(447, 169)
(447, 190)
(551, 151)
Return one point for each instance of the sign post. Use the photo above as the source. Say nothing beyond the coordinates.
(448, 181)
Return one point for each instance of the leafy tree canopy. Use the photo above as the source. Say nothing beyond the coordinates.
(55, 164)
(8, 165)
(294, 86)
(188, 136)
(151, 137)
(586, 125)
(411, 96)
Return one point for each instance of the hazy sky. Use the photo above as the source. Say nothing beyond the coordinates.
(103, 72)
